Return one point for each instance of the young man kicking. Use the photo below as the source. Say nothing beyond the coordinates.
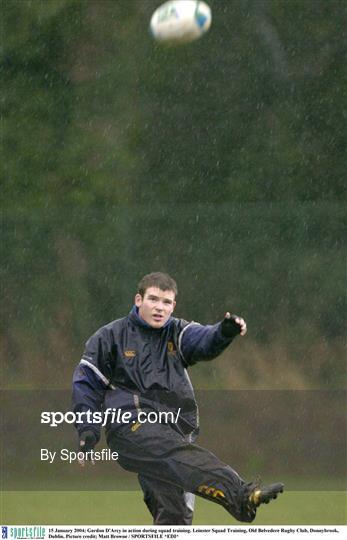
(139, 364)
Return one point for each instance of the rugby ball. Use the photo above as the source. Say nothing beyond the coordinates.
(180, 21)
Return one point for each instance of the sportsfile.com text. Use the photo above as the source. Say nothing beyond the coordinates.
(110, 415)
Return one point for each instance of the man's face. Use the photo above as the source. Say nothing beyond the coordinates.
(156, 306)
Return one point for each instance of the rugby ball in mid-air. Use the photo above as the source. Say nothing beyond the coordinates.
(180, 21)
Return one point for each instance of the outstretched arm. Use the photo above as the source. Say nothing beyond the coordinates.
(197, 342)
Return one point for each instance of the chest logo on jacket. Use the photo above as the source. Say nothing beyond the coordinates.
(130, 354)
(171, 347)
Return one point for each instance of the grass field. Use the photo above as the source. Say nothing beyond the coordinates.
(127, 508)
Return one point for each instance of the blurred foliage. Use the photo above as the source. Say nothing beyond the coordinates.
(221, 162)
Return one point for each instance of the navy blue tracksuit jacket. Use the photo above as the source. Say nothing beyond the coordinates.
(127, 364)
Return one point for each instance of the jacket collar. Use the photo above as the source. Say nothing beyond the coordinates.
(136, 319)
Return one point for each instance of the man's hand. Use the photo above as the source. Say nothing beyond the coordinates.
(232, 325)
(88, 440)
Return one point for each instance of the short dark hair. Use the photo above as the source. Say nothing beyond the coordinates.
(163, 281)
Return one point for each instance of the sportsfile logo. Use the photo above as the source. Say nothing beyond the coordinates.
(24, 533)
(110, 415)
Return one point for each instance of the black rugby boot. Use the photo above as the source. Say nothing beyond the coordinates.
(263, 495)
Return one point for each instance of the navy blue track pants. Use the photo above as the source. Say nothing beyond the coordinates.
(170, 468)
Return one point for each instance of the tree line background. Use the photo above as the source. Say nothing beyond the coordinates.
(220, 162)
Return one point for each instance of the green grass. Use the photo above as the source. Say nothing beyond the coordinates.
(127, 508)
